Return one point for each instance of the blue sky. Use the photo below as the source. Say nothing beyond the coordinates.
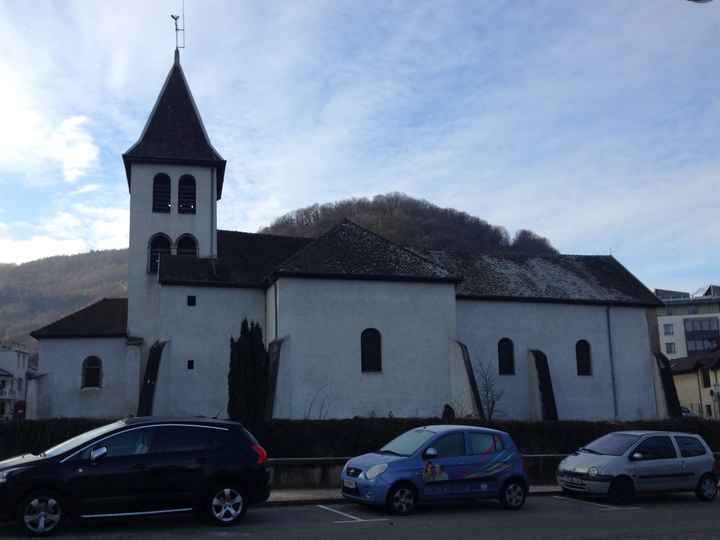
(595, 124)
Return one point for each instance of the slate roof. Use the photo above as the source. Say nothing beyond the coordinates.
(105, 318)
(244, 260)
(174, 132)
(351, 251)
(583, 279)
(690, 364)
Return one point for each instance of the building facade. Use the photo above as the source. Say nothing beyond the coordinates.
(689, 325)
(18, 370)
(358, 325)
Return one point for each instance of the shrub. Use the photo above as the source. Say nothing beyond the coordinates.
(342, 438)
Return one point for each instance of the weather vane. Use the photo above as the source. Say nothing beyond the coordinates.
(179, 28)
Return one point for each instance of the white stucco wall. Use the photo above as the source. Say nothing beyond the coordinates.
(200, 333)
(555, 329)
(60, 393)
(143, 291)
(320, 370)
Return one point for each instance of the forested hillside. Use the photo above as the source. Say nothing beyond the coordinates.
(36, 293)
(411, 222)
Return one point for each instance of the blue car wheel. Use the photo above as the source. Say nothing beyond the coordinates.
(401, 499)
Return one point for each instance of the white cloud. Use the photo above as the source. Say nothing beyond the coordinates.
(87, 188)
(79, 229)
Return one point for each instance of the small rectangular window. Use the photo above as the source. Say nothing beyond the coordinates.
(192, 300)
(191, 364)
(708, 411)
(669, 329)
(670, 348)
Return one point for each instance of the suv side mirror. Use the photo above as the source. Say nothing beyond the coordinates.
(97, 454)
(637, 456)
(431, 453)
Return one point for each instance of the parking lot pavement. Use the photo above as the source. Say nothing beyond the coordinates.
(543, 518)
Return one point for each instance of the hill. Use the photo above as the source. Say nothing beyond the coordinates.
(36, 293)
(411, 222)
(39, 292)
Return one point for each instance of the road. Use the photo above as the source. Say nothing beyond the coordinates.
(543, 518)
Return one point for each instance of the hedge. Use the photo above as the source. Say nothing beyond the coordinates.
(340, 438)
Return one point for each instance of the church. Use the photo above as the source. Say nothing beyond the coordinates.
(355, 325)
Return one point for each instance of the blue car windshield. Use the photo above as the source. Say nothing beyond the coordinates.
(612, 444)
(81, 439)
(408, 443)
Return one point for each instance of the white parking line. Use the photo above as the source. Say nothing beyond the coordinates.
(604, 507)
(351, 518)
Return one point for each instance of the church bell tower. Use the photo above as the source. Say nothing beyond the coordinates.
(175, 178)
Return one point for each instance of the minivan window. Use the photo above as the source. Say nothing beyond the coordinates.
(657, 448)
(690, 447)
(452, 445)
(612, 444)
(180, 439)
(82, 439)
(408, 443)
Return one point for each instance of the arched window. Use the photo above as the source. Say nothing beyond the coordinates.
(506, 357)
(186, 195)
(187, 246)
(161, 193)
(159, 245)
(371, 350)
(583, 357)
(92, 372)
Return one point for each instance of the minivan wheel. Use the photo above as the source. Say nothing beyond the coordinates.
(227, 506)
(513, 495)
(402, 499)
(40, 513)
(621, 491)
(707, 488)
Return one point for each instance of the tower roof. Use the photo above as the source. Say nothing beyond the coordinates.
(174, 132)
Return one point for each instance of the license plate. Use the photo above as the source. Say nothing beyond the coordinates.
(350, 484)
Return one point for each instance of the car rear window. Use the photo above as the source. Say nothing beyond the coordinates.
(169, 439)
(690, 446)
(484, 443)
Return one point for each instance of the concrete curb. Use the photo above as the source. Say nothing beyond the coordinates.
(304, 500)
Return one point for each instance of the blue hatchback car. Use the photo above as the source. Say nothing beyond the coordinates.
(436, 463)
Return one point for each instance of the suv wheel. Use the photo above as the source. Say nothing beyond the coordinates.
(40, 513)
(402, 499)
(621, 491)
(707, 488)
(227, 506)
(513, 495)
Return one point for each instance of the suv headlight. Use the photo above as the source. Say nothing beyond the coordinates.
(593, 471)
(4, 475)
(375, 471)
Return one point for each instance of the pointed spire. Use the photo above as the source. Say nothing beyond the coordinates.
(174, 132)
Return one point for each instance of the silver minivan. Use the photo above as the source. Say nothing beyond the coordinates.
(620, 464)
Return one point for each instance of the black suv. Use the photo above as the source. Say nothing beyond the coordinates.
(137, 467)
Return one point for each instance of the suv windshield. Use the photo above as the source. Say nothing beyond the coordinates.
(82, 439)
(408, 443)
(612, 444)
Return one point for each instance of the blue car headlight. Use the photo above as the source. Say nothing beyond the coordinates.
(376, 470)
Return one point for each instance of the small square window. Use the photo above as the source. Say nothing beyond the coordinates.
(192, 300)
(669, 329)
(670, 348)
(191, 364)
